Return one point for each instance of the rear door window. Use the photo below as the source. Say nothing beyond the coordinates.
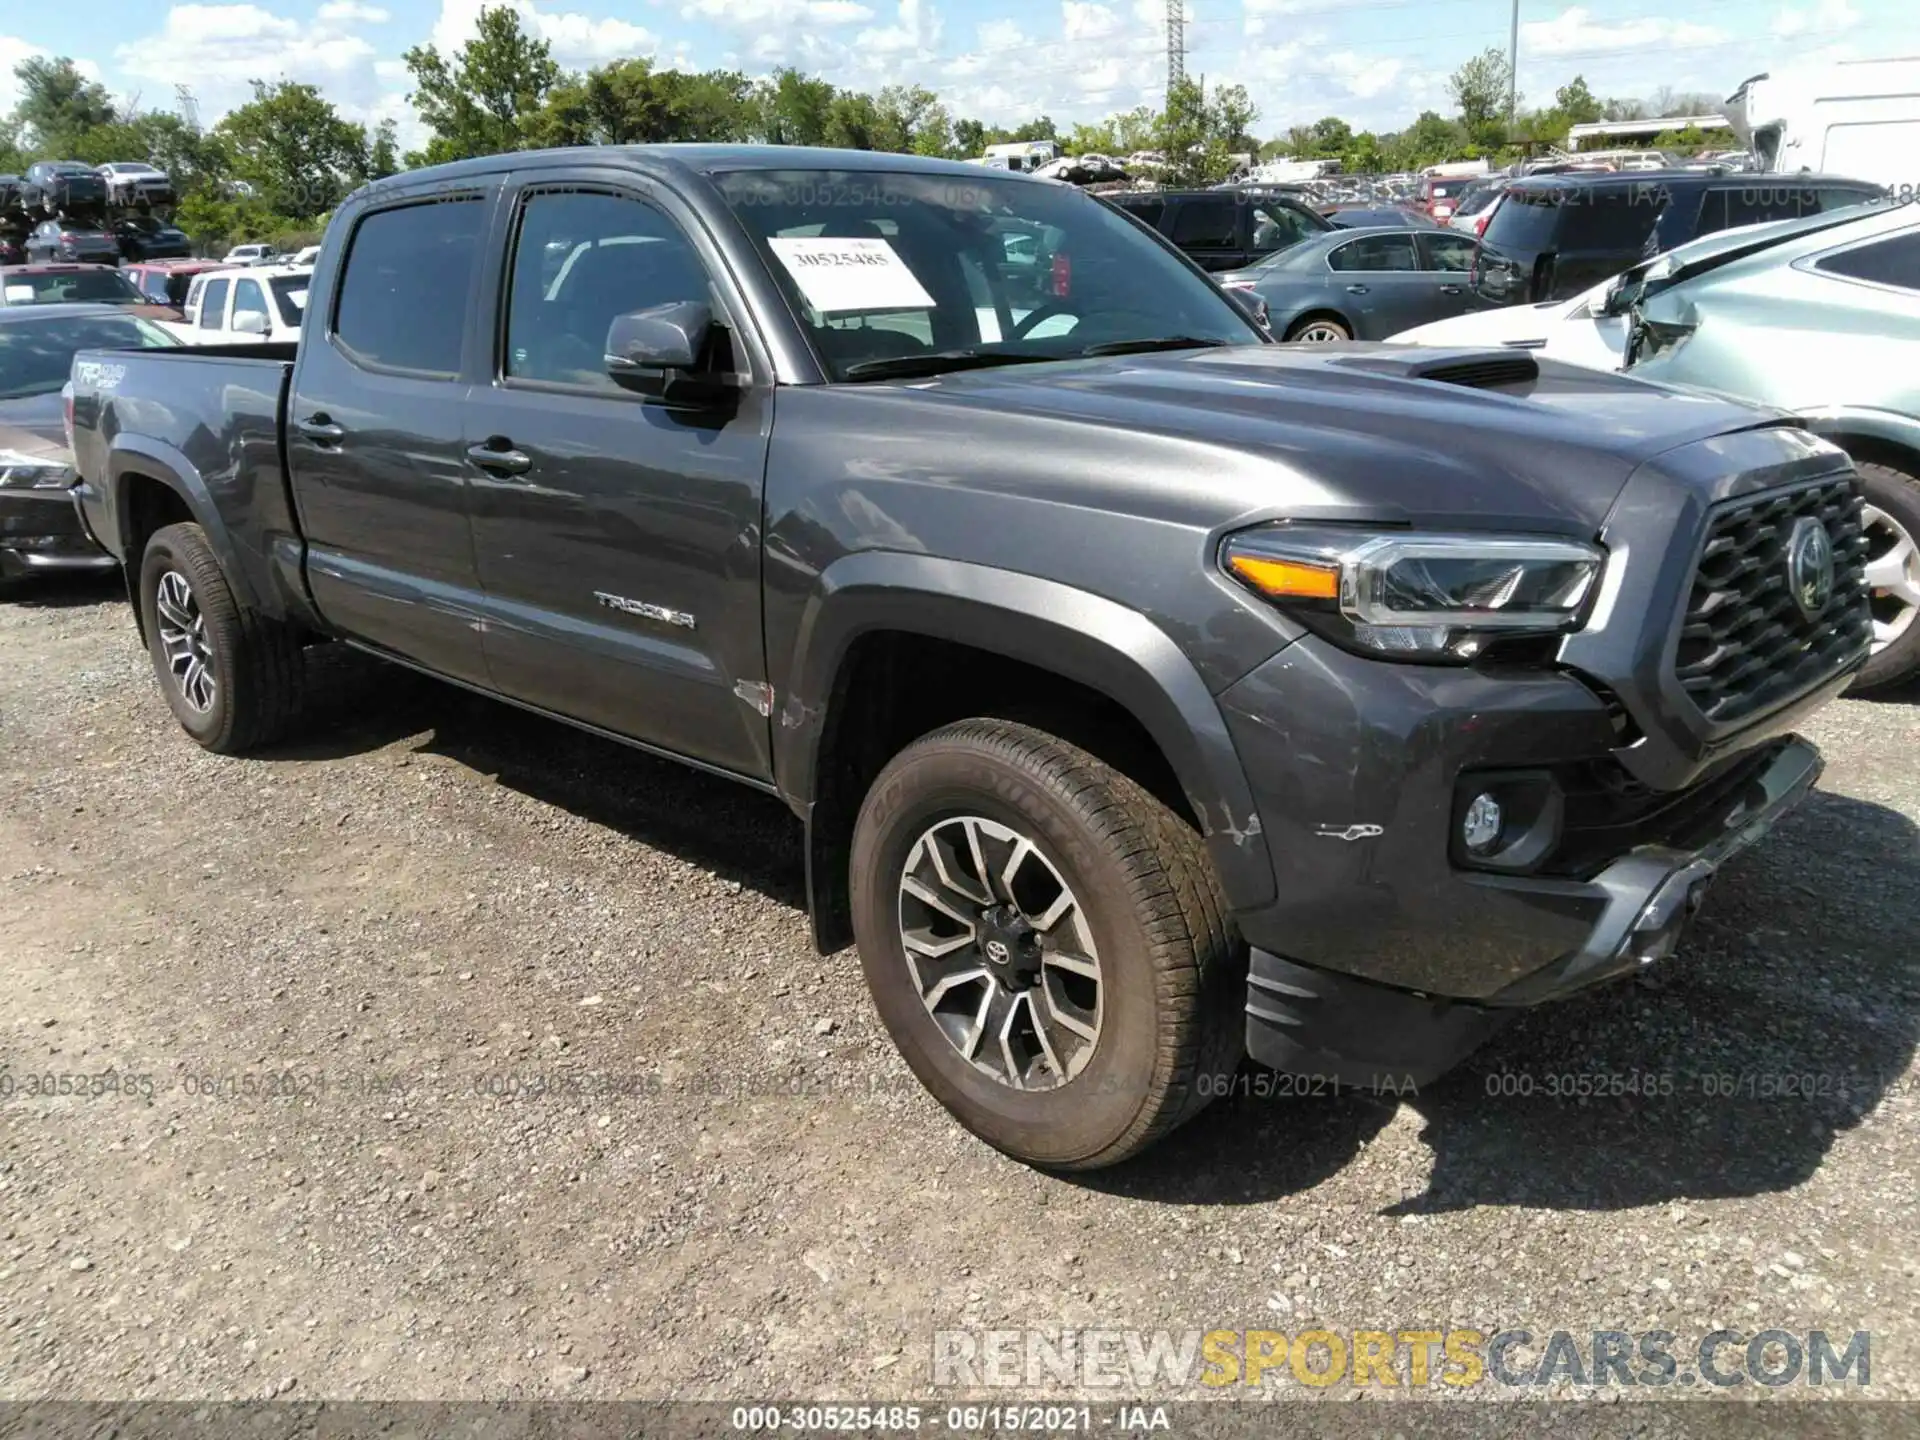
(1757, 203)
(1449, 252)
(1205, 223)
(1148, 212)
(403, 298)
(1613, 218)
(1375, 252)
(213, 304)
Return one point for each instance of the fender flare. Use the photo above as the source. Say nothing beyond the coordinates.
(1078, 635)
(1839, 423)
(131, 454)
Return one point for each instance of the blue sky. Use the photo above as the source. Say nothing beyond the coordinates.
(1375, 62)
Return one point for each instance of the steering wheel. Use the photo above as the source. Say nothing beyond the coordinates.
(1034, 318)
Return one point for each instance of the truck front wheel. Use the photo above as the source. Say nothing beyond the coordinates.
(232, 676)
(1046, 943)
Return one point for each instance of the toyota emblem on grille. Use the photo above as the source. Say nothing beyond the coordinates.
(1810, 566)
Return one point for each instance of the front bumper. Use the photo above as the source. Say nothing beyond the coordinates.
(41, 533)
(1389, 952)
(1347, 1031)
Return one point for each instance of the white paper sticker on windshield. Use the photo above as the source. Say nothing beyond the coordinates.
(19, 294)
(850, 273)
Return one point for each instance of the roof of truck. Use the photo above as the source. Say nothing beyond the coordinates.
(697, 158)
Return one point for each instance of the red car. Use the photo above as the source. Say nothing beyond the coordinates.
(165, 282)
(63, 284)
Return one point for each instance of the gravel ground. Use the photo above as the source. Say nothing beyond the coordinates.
(342, 971)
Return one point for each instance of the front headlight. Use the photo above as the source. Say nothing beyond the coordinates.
(1413, 596)
(19, 471)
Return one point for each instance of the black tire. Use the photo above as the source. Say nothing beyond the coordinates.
(257, 666)
(1895, 492)
(1173, 967)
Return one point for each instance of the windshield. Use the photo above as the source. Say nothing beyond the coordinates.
(59, 287)
(290, 295)
(911, 268)
(35, 355)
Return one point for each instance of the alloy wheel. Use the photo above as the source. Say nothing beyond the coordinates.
(1893, 577)
(183, 637)
(1001, 953)
(1320, 334)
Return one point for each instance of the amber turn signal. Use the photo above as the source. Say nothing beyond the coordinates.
(1287, 579)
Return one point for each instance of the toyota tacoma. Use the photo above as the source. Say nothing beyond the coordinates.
(1151, 694)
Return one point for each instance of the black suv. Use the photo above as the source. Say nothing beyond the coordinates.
(1225, 229)
(1554, 236)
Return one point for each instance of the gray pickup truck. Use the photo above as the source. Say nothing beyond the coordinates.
(1150, 693)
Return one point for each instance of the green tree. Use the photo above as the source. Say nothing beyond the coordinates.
(853, 121)
(57, 106)
(1576, 103)
(291, 146)
(1197, 132)
(793, 108)
(484, 100)
(383, 154)
(969, 137)
(1479, 88)
(1331, 136)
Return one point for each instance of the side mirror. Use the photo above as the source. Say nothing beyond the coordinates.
(1251, 304)
(659, 353)
(251, 323)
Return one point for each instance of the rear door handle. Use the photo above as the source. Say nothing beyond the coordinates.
(1356, 289)
(319, 427)
(499, 457)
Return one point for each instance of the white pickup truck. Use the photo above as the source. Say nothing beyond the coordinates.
(258, 302)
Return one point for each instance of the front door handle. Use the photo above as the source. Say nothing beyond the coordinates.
(318, 427)
(499, 456)
(1451, 290)
(1356, 289)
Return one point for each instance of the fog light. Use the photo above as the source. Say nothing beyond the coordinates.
(1481, 827)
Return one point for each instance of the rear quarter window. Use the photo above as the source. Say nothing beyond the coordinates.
(402, 303)
(1893, 261)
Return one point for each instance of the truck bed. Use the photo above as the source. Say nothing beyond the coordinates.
(208, 420)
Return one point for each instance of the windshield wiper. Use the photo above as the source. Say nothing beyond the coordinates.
(1161, 342)
(937, 362)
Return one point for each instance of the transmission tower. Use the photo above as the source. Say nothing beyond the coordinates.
(1176, 44)
(188, 107)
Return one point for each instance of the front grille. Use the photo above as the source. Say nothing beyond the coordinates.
(1745, 644)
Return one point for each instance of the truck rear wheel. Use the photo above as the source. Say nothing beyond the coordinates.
(232, 676)
(1046, 943)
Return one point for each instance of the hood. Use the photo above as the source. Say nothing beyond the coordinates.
(1376, 432)
(1527, 325)
(35, 425)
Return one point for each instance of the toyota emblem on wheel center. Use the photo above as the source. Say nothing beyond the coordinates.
(1810, 566)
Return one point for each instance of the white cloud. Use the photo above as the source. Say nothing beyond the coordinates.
(1363, 76)
(221, 48)
(351, 12)
(916, 30)
(755, 15)
(1086, 21)
(578, 41)
(1576, 32)
(1002, 35)
(1824, 17)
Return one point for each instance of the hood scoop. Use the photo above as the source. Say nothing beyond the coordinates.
(1481, 372)
(1474, 369)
